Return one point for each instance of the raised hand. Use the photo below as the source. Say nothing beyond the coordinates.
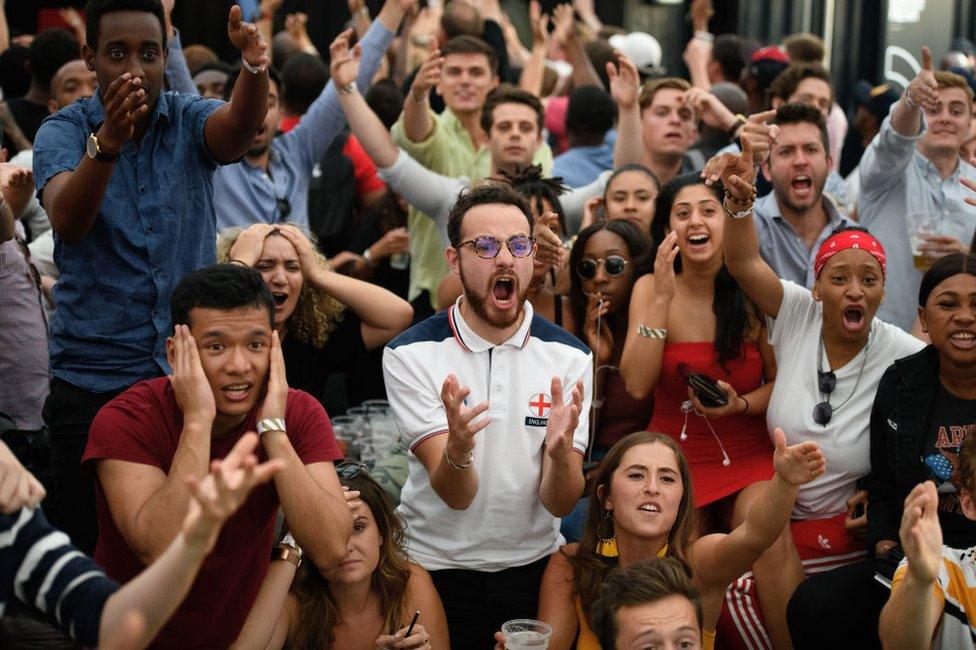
(761, 136)
(664, 280)
(565, 30)
(600, 339)
(17, 186)
(799, 463)
(353, 499)
(921, 536)
(461, 427)
(276, 398)
(249, 244)
(624, 81)
(701, 13)
(970, 184)
(247, 39)
(708, 107)
(734, 406)
(563, 419)
(125, 104)
(18, 487)
(216, 497)
(428, 76)
(344, 67)
(923, 89)
(549, 252)
(190, 384)
(540, 25)
(737, 174)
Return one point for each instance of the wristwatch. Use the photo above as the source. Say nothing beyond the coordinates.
(289, 551)
(270, 424)
(737, 215)
(93, 150)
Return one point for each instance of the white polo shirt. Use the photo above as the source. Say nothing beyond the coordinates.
(506, 525)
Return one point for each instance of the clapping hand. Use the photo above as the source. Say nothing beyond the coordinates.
(563, 419)
(247, 38)
(799, 463)
(921, 535)
(345, 63)
(923, 89)
(125, 104)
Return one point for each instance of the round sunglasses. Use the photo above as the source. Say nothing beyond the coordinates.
(614, 265)
(488, 248)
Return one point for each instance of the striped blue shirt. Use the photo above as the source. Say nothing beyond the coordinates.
(39, 566)
(245, 195)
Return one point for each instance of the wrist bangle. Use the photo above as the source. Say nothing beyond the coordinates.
(740, 120)
(702, 35)
(270, 424)
(253, 69)
(288, 553)
(746, 409)
(347, 89)
(659, 333)
(450, 462)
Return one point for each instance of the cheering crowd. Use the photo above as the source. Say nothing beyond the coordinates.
(673, 362)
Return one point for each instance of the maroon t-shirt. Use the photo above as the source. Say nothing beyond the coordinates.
(143, 425)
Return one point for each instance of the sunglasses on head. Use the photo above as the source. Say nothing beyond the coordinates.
(614, 265)
(487, 247)
(349, 470)
(826, 383)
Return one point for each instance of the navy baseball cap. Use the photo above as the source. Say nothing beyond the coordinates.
(877, 99)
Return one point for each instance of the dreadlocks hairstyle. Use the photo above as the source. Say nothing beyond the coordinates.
(530, 183)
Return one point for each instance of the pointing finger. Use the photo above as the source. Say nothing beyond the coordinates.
(765, 116)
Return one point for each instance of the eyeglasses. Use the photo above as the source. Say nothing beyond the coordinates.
(487, 248)
(826, 383)
(349, 470)
(614, 265)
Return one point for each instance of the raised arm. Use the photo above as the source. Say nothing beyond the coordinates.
(177, 72)
(911, 615)
(418, 121)
(154, 594)
(647, 322)
(231, 128)
(719, 559)
(383, 313)
(737, 174)
(311, 496)
(148, 506)
(625, 90)
(921, 94)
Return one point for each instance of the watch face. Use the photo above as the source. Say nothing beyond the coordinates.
(92, 146)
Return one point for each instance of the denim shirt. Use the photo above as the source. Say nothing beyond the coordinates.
(155, 225)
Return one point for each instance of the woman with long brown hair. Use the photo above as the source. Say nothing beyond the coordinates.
(642, 507)
(365, 602)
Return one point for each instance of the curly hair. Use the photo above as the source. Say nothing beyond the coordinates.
(316, 314)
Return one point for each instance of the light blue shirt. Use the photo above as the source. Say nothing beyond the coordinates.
(785, 250)
(580, 166)
(897, 180)
(245, 195)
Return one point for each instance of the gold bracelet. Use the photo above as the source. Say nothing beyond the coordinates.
(289, 554)
(658, 333)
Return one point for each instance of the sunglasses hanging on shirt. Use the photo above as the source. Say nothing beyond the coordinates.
(827, 382)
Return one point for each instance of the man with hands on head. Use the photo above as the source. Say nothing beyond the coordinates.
(228, 377)
(126, 179)
(491, 400)
(911, 168)
(74, 591)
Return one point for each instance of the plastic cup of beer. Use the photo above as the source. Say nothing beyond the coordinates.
(921, 226)
(526, 634)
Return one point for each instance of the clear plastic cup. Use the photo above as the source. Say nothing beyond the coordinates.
(526, 634)
(921, 226)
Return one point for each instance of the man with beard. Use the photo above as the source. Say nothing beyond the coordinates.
(271, 184)
(910, 174)
(488, 398)
(795, 218)
(126, 179)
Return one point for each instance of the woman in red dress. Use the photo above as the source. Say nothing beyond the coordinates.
(690, 317)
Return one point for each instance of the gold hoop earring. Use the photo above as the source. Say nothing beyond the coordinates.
(606, 546)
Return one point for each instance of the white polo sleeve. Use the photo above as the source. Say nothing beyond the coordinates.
(415, 400)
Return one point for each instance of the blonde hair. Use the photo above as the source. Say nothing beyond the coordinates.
(316, 314)
(946, 79)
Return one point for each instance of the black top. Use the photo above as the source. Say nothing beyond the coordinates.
(309, 368)
(28, 116)
(951, 419)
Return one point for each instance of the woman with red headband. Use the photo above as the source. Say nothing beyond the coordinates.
(831, 352)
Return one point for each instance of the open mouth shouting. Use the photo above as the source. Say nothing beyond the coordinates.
(854, 320)
(503, 293)
(279, 298)
(802, 185)
(698, 241)
(236, 392)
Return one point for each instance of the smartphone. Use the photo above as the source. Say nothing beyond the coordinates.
(707, 390)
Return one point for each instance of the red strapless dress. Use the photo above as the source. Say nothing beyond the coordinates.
(744, 437)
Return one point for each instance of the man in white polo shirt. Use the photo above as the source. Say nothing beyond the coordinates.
(489, 399)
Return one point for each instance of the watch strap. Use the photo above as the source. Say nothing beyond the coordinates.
(101, 156)
(271, 424)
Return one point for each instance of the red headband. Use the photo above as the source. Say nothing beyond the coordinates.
(849, 239)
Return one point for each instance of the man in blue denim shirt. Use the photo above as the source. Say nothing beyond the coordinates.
(126, 179)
